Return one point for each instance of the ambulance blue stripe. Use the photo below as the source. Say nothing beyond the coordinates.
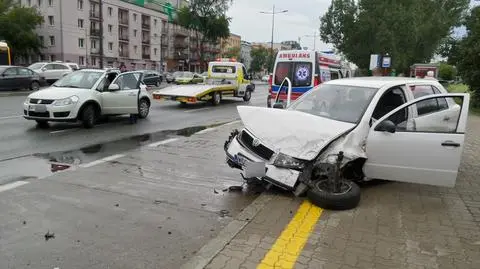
(294, 89)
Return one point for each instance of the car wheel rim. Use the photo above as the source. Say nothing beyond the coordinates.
(217, 98)
(248, 94)
(143, 108)
(35, 86)
(325, 185)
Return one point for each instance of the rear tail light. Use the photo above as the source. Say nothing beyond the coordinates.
(316, 81)
(270, 79)
(191, 100)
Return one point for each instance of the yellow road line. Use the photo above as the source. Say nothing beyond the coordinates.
(289, 245)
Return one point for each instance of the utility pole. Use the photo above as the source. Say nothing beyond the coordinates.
(86, 45)
(314, 39)
(101, 33)
(273, 27)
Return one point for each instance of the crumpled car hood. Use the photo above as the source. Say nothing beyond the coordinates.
(297, 134)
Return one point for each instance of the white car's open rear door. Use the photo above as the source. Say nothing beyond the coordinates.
(404, 146)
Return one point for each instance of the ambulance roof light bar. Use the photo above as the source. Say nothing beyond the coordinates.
(226, 60)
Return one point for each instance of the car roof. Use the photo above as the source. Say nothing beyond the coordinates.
(93, 70)
(377, 82)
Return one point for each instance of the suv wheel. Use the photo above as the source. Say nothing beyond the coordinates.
(89, 116)
(143, 108)
(35, 86)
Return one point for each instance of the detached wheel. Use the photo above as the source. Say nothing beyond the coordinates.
(143, 108)
(35, 86)
(247, 96)
(42, 124)
(346, 197)
(89, 116)
(216, 98)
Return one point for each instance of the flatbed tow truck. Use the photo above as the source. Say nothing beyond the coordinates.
(226, 77)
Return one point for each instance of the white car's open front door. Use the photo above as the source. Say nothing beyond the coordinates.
(403, 146)
(122, 94)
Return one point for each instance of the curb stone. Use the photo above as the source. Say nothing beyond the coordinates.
(206, 254)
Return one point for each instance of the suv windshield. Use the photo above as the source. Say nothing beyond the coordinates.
(36, 66)
(79, 79)
(336, 102)
(185, 75)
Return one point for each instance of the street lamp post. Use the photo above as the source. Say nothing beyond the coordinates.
(273, 12)
(314, 39)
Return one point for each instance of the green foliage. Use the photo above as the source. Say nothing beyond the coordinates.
(469, 54)
(207, 18)
(410, 31)
(446, 71)
(233, 53)
(260, 57)
(18, 27)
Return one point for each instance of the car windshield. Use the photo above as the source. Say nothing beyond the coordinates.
(185, 75)
(336, 102)
(36, 66)
(79, 79)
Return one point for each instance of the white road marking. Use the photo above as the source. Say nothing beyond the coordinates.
(163, 142)
(64, 130)
(196, 110)
(12, 185)
(10, 117)
(204, 131)
(103, 160)
(232, 123)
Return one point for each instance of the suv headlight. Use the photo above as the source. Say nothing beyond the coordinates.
(67, 101)
(286, 161)
(27, 101)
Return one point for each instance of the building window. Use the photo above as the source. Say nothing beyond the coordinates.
(80, 4)
(134, 17)
(93, 44)
(39, 3)
(81, 60)
(110, 11)
(110, 28)
(52, 58)
(50, 20)
(50, 3)
(155, 51)
(155, 22)
(94, 61)
(80, 23)
(81, 42)
(135, 49)
(110, 46)
(135, 32)
(52, 40)
(42, 40)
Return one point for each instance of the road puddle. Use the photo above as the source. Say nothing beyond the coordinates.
(41, 165)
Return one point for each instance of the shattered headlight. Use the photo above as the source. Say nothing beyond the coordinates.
(286, 161)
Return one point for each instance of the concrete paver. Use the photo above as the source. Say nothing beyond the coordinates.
(396, 225)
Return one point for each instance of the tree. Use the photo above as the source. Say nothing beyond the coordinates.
(207, 18)
(233, 52)
(18, 27)
(409, 31)
(469, 54)
(447, 71)
(260, 56)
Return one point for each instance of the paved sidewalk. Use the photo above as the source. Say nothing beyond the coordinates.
(396, 225)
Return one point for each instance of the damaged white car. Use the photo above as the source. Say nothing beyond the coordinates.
(352, 130)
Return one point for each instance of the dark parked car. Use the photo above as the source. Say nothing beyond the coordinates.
(18, 77)
(152, 78)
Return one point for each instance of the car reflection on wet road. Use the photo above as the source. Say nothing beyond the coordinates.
(121, 196)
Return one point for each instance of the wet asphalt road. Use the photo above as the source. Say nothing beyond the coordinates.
(152, 207)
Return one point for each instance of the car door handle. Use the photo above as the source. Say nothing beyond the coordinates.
(450, 144)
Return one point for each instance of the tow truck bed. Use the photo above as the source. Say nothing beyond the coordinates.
(192, 93)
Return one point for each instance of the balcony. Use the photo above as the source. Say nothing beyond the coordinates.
(123, 37)
(180, 31)
(180, 44)
(94, 14)
(146, 26)
(94, 51)
(146, 56)
(146, 40)
(123, 52)
(164, 41)
(95, 32)
(180, 56)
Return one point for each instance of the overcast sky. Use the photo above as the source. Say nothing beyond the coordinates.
(301, 19)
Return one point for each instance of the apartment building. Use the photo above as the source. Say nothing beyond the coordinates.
(233, 41)
(72, 32)
(245, 51)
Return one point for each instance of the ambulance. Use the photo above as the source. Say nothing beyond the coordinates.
(305, 69)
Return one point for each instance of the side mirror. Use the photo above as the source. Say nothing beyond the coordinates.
(113, 87)
(43, 69)
(386, 126)
(278, 105)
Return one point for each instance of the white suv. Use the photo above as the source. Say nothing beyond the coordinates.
(51, 71)
(87, 94)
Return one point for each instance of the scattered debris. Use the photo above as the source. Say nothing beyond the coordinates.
(223, 213)
(203, 204)
(224, 190)
(168, 217)
(117, 205)
(291, 212)
(215, 191)
(49, 236)
(24, 222)
(184, 257)
(211, 230)
(157, 202)
(247, 219)
(78, 241)
(169, 232)
(235, 188)
(194, 252)
(159, 227)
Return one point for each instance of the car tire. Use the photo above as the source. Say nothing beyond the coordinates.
(216, 98)
(42, 124)
(89, 116)
(143, 108)
(247, 96)
(35, 86)
(348, 199)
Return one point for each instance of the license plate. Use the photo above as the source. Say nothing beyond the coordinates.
(40, 108)
(254, 169)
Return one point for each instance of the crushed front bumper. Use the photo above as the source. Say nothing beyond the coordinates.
(238, 156)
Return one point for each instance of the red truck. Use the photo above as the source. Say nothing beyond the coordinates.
(420, 70)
